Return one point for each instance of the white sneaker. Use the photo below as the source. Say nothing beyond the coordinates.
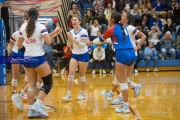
(136, 71)
(63, 71)
(111, 72)
(107, 94)
(137, 88)
(117, 101)
(32, 114)
(54, 71)
(94, 72)
(103, 71)
(123, 109)
(81, 96)
(38, 109)
(155, 70)
(44, 107)
(67, 97)
(17, 101)
(147, 70)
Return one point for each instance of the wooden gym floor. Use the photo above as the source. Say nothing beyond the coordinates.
(159, 99)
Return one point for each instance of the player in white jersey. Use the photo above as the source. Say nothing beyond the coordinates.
(35, 34)
(80, 57)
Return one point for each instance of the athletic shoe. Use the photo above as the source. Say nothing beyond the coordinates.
(155, 70)
(94, 72)
(147, 70)
(13, 93)
(123, 109)
(111, 72)
(67, 97)
(32, 114)
(136, 71)
(117, 101)
(38, 109)
(81, 96)
(137, 89)
(17, 101)
(54, 71)
(44, 107)
(103, 71)
(107, 94)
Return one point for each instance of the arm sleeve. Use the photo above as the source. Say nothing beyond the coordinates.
(44, 30)
(84, 35)
(13, 38)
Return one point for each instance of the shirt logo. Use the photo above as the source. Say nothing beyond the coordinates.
(30, 40)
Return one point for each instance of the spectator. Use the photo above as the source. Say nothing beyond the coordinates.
(108, 10)
(153, 36)
(67, 56)
(104, 44)
(95, 10)
(110, 56)
(109, 14)
(169, 27)
(74, 10)
(87, 19)
(107, 2)
(150, 54)
(168, 45)
(158, 6)
(127, 5)
(136, 12)
(100, 16)
(176, 11)
(150, 9)
(118, 5)
(94, 29)
(143, 5)
(154, 21)
(145, 20)
(79, 4)
(99, 56)
(178, 45)
(98, 2)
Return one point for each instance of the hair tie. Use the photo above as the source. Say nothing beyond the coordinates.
(33, 16)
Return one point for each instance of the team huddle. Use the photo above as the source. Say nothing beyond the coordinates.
(28, 42)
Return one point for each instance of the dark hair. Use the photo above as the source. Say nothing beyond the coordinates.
(130, 18)
(117, 17)
(33, 15)
(25, 16)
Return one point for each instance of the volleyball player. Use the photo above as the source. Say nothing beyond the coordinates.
(35, 35)
(80, 57)
(126, 19)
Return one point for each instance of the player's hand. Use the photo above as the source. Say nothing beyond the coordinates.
(88, 43)
(114, 58)
(70, 37)
(136, 48)
(99, 59)
(58, 30)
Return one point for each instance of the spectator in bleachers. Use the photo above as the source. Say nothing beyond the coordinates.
(108, 9)
(150, 9)
(176, 11)
(100, 16)
(143, 5)
(95, 10)
(150, 54)
(168, 45)
(153, 36)
(178, 45)
(155, 21)
(110, 56)
(107, 2)
(104, 44)
(79, 4)
(109, 14)
(87, 19)
(98, 2)
(74, 10)
(158, 6)
(169, 27)
(127, 5)
(118, 5)
(99, 56)
(136, 12)
(94, 29)
(145, 21)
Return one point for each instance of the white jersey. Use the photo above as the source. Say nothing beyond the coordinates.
(132, 32)
(34, 44)
(77, 49)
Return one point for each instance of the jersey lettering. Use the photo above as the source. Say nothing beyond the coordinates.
(30, 40)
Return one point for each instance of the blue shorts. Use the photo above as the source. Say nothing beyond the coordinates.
(126, 57)
(20, 54)
(34, 62)
(81, 57)
(136, 57)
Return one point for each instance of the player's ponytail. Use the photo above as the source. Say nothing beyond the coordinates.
(117, 17)
(33, 15)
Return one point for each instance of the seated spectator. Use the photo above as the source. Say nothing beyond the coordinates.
(169, 27)
(150, 54)
(127, 5)
(79, 4)
(110, 56)
(100, 16)
(168, 46)
(150, 9)
(67, 56)
(145, 20)
(87, 18)
(108, 9)
(154, 21)
(136, 12)
(158, 6)
(99, 56)
(104, 44)
(178, 45)
(107, 2)
(118, 5)
(176, 11)
(143, 5)
(73, 12)
(98, 2)
(94, 29)
(95, 10)
(74, 6)
(153, 36)
(109, 14)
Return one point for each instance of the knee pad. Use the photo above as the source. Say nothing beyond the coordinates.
(83, 78)
(124, 86)
(14, 82)
(39, 85)
(47, 83)
(71, 78)
(116, 81)
(32, 89)
(25, 78)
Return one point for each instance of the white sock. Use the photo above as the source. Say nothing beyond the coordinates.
(68, 92)
(38, 102)
(132, 84)
(126, 103)
(30, 106)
